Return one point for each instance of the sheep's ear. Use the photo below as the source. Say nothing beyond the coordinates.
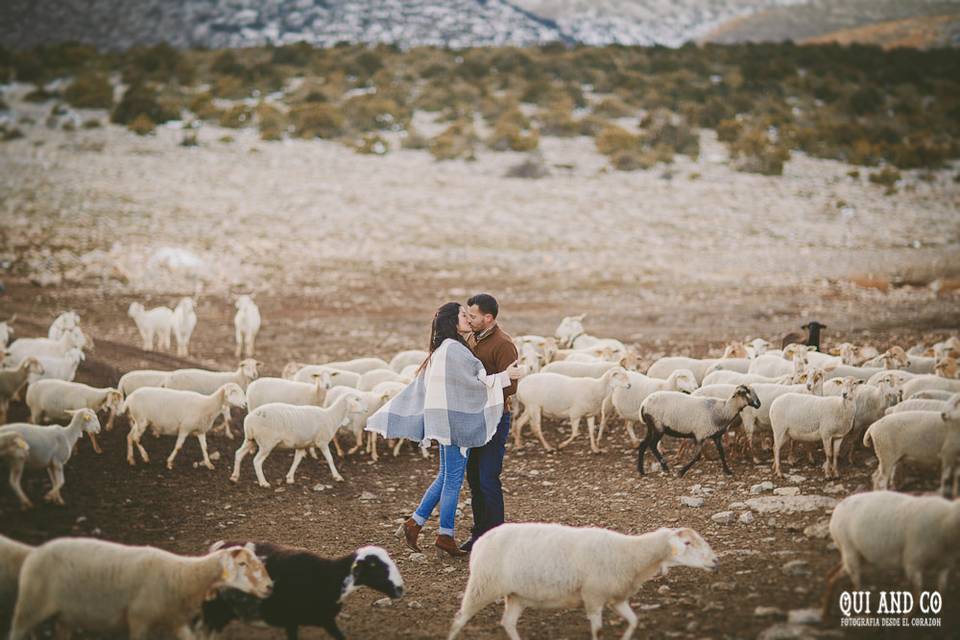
(12, 319)
(580, 317)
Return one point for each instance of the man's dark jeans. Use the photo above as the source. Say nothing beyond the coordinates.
(484, 465)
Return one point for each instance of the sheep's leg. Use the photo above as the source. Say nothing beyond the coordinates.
(512, 609)
(96, 445)
(718, 440)
(594, 441)
(238, 351)
(313, 453)
(605, 408)
(147, 336)
(372, 447)
(624, 611)
(536, 423)
(325, 450)
(36, 415)
(55, 470)
(634, 440)
(111, 416)
(258, 461)
(653, 441)
(336, 444)
(595, 616)
(359, 444)
(397, 447)
(474, 600)
(332, 629)
(297, 457)
(828, 454)
(518, 426)
(181, 438)
(829, 591)
(16, 473)
(202, 439)
(574, 431)
(227, 416)
(694, 459)
(246, 448)
(777, 446)
(136, 432)
(250, 342)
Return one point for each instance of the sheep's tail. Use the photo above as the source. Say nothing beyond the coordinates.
(866, 438)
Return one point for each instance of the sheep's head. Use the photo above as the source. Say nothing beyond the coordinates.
(895, 358)
(683, 380)
(243, 301)
(290, 370)
(848, 387)
(356, 405)
(947, 367)
(688, 549)
(233, 395)
(74, 355)
(735, 350)
(374, 568)
(32, 365)
(135, 309)
(748, 396)
(618, 379)
(250, 368)
(243, 570)
(629, 360)
(952, 411)
(186, 304)
(759, 346)
(87, 419)
(813, 378)
(114, 400)
(77, 338)
(6, 332)
(322, 379)
(569, 329)
(549, 349)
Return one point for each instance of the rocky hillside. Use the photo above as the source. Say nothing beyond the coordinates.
(119, 24)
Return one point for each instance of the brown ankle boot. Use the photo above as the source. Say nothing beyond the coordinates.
(409, 531)
(446, 544)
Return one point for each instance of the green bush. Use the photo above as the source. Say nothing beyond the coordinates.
(39, 94)
(317, 120)
(456, 141)
(237, 116)
(90, 91)
(557, 119)
(137, 100)
(273, 122)
(413, 139)
(142, 125)
(92, 123)
(508, 136)
(372, 144)
(613, 107)
(886, 177)
(372, 112)
(10, 134)
(614, 139)
(754, 152)
(203, 107)
(663, 129)
(728, 130)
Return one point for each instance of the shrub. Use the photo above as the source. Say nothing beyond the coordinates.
(557, 119)
(663, 129)
(886, 177)
(532, 168)
(203, 107)
(10, 134)
(755, 152)
(591, 125)
(237, 116)
(413, 139)
(317, 120)
(614, 139)
(272, 121)
(728, 130)
(456, 141)
(508, 136)
(373, 112)
(137, 100)
(189, 139)
(373, 144)
(90, 91)
(92, 123)
(613, 107)
(39, 94)
(633, 159)
(142, 125)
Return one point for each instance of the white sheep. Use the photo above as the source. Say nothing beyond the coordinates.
(339, 377)
(626, 401)
(809, 418)
(871, 403)
(915, 436)
(372, 400)
(888, 531)
(950, 452)
(559, 396)
(247, 325)
(740, 365)
(917, 404)
(407, 358)
(890, 378)
(929, 382)
(531, 359)
(947, 367)
(50, 448)
(571, 335)
(551, 565)
(171, 412)
(6, 330)
(581, 369)
(266, 390)
(663, 367)
(854, 355)
(43, 347)
(136, 592)
(684, 416)
(59, 368)
(206, 382)
(372, 378)
(734, 377)
(546, 348)
(155, 323)
(757, 347)
(391, 389)
(12, 555)
(795, 358)
(359, 365)
(932, 394)
(184, 322)
(864, 374)
(51, 400)
(293, 427)
(66, 321)
(751, 417)
(133, 380)
(12, 381)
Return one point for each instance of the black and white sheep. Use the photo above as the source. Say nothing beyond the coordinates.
(308, 590)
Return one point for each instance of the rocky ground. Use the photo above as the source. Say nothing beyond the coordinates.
(348, 255)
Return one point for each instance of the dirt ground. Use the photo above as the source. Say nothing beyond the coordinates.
(188, 508)
(349, 256)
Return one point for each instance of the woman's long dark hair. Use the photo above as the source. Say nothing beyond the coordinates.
(444, 326)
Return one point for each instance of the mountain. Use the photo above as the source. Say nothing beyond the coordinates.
(119, 24)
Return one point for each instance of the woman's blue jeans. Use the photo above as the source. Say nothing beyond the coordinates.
(445, 490)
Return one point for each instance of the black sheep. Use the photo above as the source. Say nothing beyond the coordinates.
(307, 590)
(812, 339)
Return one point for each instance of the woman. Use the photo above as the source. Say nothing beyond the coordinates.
(453, 401)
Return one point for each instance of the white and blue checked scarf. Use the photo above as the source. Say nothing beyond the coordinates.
(453, 401)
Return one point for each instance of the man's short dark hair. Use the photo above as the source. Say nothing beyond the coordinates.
(486, 303)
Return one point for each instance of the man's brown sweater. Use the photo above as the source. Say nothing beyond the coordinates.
(497, 352)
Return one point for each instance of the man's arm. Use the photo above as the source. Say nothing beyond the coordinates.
(504, 356)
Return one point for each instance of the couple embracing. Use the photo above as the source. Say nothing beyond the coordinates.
(458, 398)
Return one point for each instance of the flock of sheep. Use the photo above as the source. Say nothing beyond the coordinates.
(905, 404)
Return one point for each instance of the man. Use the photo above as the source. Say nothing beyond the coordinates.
(495, 349)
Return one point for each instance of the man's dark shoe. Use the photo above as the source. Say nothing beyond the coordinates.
(468, 545)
